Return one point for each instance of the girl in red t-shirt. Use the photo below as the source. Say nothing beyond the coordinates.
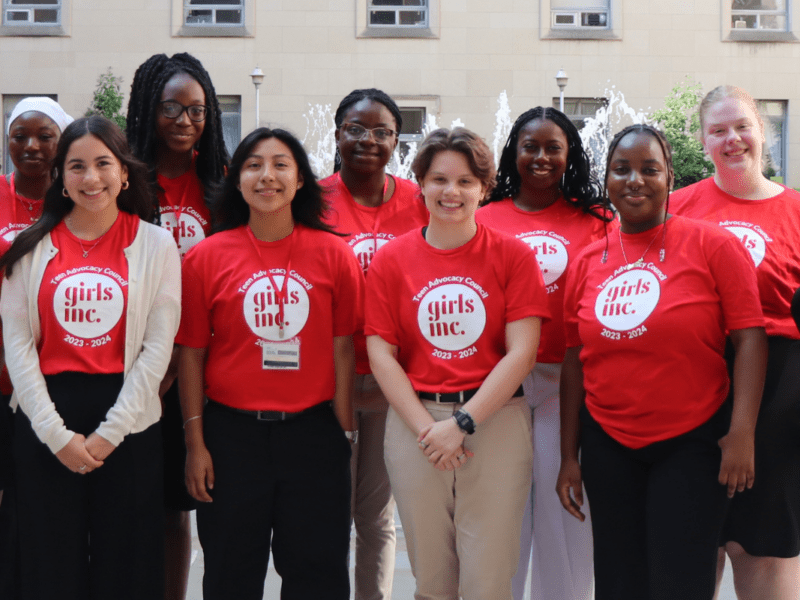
(762, 530)
(174, 126)
(270, 306)
(453, 316)
(644, 383)
(547, 197)
(370, 207)
(34, 126)
(90, 303)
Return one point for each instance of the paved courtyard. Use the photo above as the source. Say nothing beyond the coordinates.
(403, 580)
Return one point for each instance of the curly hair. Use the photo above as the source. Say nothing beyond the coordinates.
(148, 84)
(135, 199)
(578, 186)
(357, 96)
(460, 140)
(230, 210)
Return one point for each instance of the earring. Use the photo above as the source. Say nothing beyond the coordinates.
(65, 193)
(125, 184)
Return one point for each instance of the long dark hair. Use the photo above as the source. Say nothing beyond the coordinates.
(578, 186)
(146, 89)
(308, 208)
(356, 96)
(136, 199)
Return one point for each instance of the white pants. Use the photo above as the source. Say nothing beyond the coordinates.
(461, 526)
(561, 557)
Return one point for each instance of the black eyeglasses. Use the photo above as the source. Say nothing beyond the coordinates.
(173, 110)
(357, 132)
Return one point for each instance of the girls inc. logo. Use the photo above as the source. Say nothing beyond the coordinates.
(451, 316)
(753, 239)
(261, 308)
(187, 231)
(88, 305)
(551, 254)
(365, 250)
(628, 299)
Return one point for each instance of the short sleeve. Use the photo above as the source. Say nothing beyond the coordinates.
(378, 311)
(573, 290)
(349, 293)
(735, 276)
(525, 292)
(195, 328)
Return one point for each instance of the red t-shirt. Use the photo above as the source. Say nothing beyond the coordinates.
(653, 337)
(230, 308)
(556, 235)
(446, 310)
(769, 230)
(183, 210)
(370, 227)
(83, 301)
(16, 212)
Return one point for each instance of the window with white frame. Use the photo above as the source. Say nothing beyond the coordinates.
(580, 14)
(769, 15)
(773, 112)
(231, 107)
(397, 13)
(580, 109)
(213, 13)
(31, 12)
(411, 131)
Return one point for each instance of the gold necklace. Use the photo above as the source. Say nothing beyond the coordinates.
(640, 262)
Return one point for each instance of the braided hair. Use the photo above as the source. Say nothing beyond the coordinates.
(578, 186)
(666, 148)
(146, 89)
(357, 96)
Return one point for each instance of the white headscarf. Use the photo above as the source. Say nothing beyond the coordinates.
(44, 105)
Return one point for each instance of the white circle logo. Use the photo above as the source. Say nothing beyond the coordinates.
(261, 309)
(551, 254)
(628, 300)
(451, 316)
(753, 242)
(366, 249)
(187, 231)
(88, 305)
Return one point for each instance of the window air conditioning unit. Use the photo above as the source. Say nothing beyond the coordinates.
(580, 19)
(19, 16)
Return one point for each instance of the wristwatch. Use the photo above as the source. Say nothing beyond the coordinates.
(352, 436)
(464, 421)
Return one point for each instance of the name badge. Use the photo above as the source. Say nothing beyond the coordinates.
(281, 355)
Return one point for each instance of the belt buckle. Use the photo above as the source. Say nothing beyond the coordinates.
(269, 415)
(438, 398)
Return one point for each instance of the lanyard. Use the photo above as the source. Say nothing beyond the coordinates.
(376, 225)
(281, 292)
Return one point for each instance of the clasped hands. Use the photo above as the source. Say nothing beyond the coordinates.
(442, 442)
(83, 455)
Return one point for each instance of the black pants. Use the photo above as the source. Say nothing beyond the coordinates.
(9, 562)
(284, 481)
(657, 512)
(96, 536)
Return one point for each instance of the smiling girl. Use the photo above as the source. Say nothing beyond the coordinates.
(644, 383)
(762, 532)
(450, 341)
(270, 306)
(547, 197)
(90, 306)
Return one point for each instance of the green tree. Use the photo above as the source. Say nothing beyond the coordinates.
(680, 122)
(107, 99)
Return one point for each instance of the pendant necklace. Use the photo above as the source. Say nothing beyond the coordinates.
(640, 262)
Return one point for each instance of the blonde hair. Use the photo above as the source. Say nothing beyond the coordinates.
(727, 91)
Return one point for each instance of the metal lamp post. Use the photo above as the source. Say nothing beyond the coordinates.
(561, 80)
(257, 76)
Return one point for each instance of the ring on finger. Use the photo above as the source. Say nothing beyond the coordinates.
(423, 445)
(462, 456)
(82, 468)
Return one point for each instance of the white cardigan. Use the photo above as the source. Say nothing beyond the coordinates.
(152, 319)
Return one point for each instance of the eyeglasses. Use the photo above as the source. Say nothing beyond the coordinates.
(356, 132)
(173, 110)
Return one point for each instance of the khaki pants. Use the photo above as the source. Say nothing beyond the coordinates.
(462, 527)
(372, 504)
